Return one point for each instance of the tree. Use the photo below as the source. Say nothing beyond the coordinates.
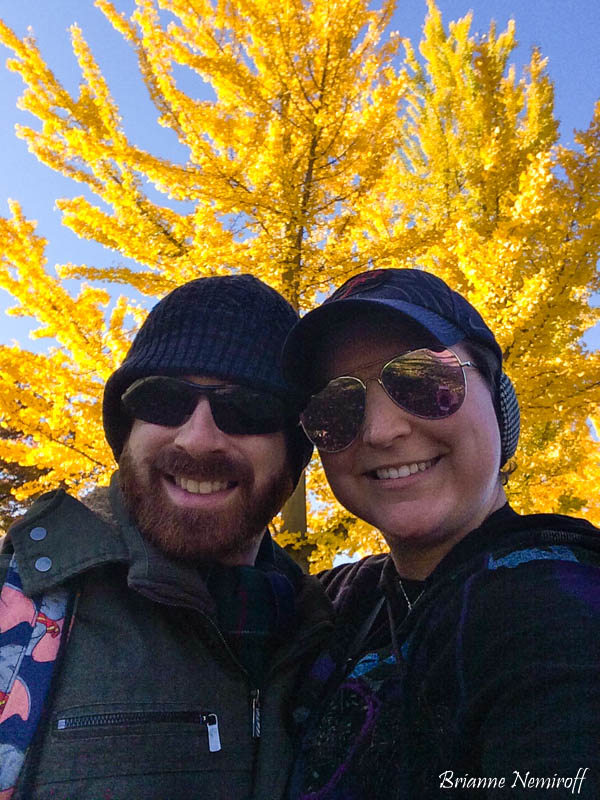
(321, 152)
(12, 477)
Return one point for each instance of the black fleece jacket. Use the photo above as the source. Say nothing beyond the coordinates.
(488, 688)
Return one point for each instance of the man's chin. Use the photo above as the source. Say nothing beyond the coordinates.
(199, 534)
(229, 531)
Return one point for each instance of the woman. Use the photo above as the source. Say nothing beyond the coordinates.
(466, 663)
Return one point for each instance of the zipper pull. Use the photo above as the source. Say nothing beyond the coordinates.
(212, 726)
(255, 695)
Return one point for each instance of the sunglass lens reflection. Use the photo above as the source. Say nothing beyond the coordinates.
(426, 384)
(333, 417)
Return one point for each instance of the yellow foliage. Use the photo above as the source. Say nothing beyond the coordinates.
(320, 150)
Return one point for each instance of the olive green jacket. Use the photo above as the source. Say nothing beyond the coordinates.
(149, 702)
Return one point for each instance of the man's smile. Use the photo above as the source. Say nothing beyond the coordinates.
(202, 487)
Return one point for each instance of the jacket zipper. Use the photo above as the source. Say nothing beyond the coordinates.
(255, 697)
(143, 717)
(254, 693)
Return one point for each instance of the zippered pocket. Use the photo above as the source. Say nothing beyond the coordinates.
(125, 719)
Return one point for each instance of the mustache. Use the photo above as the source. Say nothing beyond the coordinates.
(208, 466)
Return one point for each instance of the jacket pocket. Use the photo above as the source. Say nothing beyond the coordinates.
(127, 722)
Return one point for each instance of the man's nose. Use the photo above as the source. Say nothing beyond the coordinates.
(200, 433)
(384, 421)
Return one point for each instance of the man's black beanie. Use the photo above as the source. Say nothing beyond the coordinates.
(230, 327)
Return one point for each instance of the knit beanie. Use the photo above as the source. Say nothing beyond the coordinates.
(230, 327)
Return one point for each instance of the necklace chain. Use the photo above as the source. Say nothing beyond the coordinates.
(403, 590)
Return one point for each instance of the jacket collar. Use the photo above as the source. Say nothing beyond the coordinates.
(507, 530)
(504, 530)
(58, 538)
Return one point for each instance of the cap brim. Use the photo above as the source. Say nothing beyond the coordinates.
(299, 346)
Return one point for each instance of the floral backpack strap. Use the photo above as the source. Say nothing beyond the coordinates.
(31, 632)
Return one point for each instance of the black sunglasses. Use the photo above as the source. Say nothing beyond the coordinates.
(168, 401)
(428, 384)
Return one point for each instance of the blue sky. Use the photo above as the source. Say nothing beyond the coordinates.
(567, 32)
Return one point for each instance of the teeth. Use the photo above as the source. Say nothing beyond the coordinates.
(200, 487)
(404, 471)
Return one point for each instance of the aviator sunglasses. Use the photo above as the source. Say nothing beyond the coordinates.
(428, 384)
(163, 400)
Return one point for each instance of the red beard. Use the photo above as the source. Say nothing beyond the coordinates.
(200, 534)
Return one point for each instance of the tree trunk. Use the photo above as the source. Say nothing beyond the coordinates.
(294, 520)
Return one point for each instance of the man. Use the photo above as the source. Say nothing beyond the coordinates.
(187, 625)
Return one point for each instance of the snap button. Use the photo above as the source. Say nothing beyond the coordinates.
(37, 534)
(43, 564)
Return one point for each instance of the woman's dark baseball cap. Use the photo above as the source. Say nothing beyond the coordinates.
(420, 296)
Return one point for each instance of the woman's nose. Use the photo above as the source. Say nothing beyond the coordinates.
(384, 421)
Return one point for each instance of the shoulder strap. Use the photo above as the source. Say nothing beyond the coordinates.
(31, 632)
(365, 629)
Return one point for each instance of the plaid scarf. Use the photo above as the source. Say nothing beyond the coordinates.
(256, 609)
